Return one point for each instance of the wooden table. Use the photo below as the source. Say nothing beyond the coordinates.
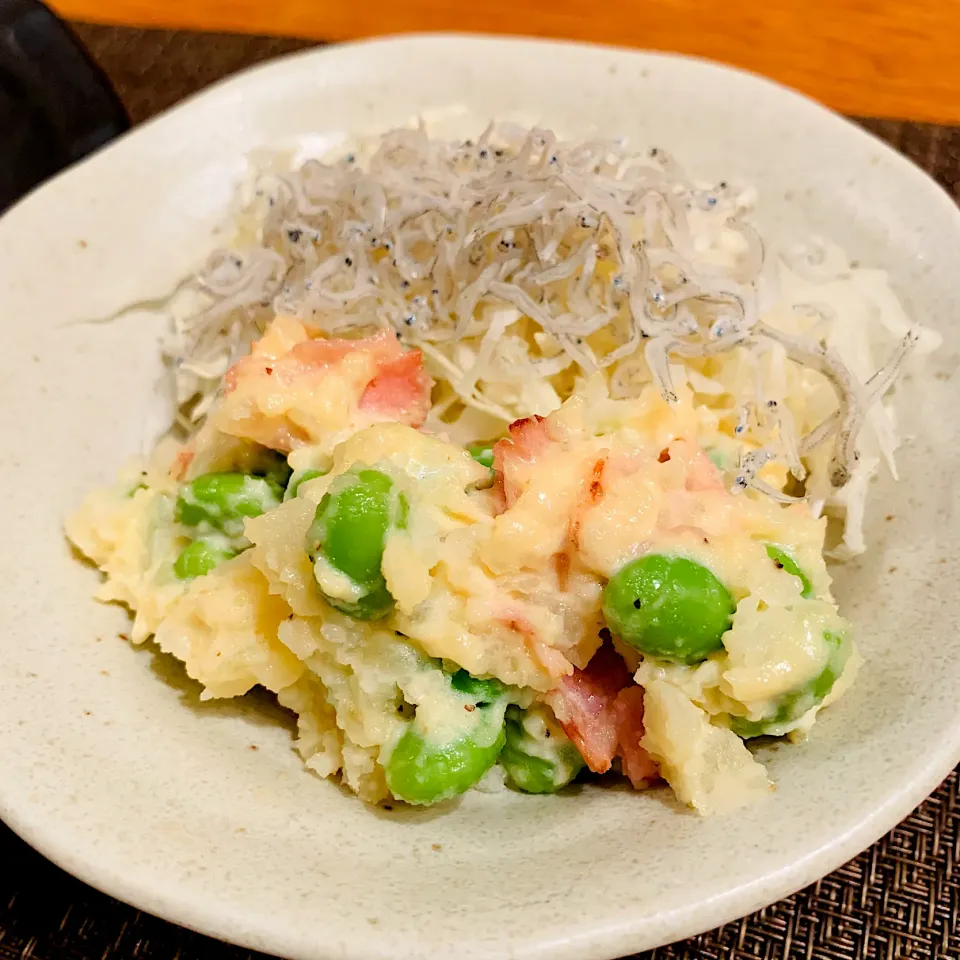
(900, 900)
(879, 58)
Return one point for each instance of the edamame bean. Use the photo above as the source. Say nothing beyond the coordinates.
(221, 501)
(482, 453)
(537, 756)
(792, 706)
(785, 561)
(201, 556)
(420, 772)
(480, 691)
(717, 458)
(298, 479)
(668, 607)
(349, 532)
(422, 769)
(273, 466)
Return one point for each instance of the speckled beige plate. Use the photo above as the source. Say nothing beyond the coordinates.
(202, 814)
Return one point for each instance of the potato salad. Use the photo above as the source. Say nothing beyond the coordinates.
(582, 593)
(509, 461)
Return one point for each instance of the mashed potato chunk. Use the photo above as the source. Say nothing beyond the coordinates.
(424, 607)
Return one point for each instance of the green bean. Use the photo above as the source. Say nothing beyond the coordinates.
(423, 769)
(785, 561)
(668, 607)
(537, 756)
(201, 556)
(349, 532)
(792, 706)
(221, 501)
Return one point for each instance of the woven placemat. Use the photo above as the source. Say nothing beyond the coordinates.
(900, 900)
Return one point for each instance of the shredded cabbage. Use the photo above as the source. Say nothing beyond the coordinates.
(519, 264)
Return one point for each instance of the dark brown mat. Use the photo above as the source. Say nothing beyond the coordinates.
(900, 900)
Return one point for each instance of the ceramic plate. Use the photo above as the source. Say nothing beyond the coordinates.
(202, 813)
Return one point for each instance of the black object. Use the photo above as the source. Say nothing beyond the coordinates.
(56, 105)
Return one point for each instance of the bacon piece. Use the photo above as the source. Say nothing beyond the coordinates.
(276, 395)
(270, 358)
(400, 391)
(601, 710)
(637, 765)
(584, 705)
(702, 472)
(321, 352)
(529, 439)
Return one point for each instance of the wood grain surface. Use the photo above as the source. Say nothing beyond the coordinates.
(879, 58)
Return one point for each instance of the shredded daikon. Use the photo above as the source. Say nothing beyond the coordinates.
(519, 263)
